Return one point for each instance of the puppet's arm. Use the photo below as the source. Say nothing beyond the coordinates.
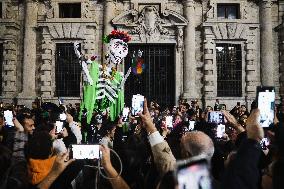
(86, 73)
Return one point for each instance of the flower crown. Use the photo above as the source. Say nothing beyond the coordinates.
(116, 34)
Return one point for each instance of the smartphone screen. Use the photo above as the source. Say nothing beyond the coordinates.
(137, 104)
(191, 125)
(221, 129)
(59, 126)
(63, 117)
(194, 176)
(125, 113)
(8, 115)
(169, 121)
(265, 142)
(216, 117)
(85, 151)
(266, 104)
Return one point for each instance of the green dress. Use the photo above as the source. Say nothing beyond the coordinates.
(89, 97)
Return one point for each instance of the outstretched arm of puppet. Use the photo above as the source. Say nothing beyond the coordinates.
(125, 78)
(86, 72)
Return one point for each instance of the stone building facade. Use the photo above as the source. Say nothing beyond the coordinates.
(30, 31)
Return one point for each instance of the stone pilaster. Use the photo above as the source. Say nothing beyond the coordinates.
(9, 68)
(109, 14)
(251, 67)
(89, 46)
(189, 68)
(29, 63)
(281, 63)
(46, 67)
(266, 44)
(209, 69)
(9, 35)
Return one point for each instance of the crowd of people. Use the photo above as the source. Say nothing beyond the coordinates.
(35, 147)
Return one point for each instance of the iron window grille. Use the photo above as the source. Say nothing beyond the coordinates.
(157, 82)
(69, 10)
(229, 70)
(1, 13)
(67, 71)
(228, 11)
(1, 65)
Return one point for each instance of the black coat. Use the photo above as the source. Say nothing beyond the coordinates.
(243, 172)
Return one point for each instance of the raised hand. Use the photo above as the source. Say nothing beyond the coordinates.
(60, 163)
(105, 161)
(231, 120)
(254, 130)
(147, 119)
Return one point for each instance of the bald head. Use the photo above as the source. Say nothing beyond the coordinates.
(197, 143)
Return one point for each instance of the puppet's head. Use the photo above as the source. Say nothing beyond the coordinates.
(118, 48)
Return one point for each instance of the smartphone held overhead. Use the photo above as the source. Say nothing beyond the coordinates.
(266, 105)
(194, 174)
(8, 116)
(125, 114)
(169, 121)
(137, 104)
(221, 129)
(216, 117)
(85, 151)
(58, 126)
(191, 125)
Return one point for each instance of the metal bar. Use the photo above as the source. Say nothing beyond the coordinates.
(229, 69)
(1, 66)
(67, 71)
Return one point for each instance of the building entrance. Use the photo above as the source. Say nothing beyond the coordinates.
(157, 80)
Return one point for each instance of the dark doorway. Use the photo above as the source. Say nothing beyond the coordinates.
(157, 81)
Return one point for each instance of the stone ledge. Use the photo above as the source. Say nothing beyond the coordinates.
(46, 94)
(10, 57)
(45, 78)
(251, 68)
(250, 88)
(209, 56)
(46, 88)
(209, 67)
(250, 56)
(251, 77)
(9, 67)
(209, 88)
(9, 88)
(46, 46)
(8, 77)
(46, 67)
(10, 46)
(46, 56)
(250, 46)
(209, 77)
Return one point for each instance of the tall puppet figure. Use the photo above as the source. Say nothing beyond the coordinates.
(103, 84)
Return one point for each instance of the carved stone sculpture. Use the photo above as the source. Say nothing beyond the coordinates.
(149, 24)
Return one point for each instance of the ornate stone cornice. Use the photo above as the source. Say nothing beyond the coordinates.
(230, 30)
(67, 30)
(190, 3)
(149, 24)
(264, 1)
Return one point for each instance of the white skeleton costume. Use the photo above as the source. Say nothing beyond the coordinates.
(108, 82)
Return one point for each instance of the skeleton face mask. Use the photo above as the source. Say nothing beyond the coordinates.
(118, 50)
